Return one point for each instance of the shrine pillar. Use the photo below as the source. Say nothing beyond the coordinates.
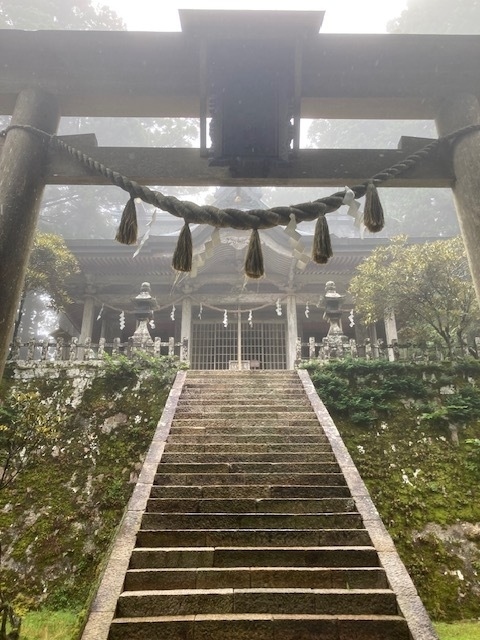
(186, 328)
(292, 331)
(455, 113)
(390, 332)
(22, 165)
(87, 319)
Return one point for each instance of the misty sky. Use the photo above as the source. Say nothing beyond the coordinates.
(342, 16)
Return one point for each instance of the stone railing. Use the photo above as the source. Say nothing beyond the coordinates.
(59, 350)
(348, 348)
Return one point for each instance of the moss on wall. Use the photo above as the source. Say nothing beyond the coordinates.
(59, 515)
(414, 434)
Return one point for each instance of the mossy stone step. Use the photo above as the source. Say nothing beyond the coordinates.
(215, 399)
(261, 627)
(246, 467)
(256, 577)
(253, 538)
(205, 437)
(268, 479)
(225, 425)
(290, 600)
(245, 413)
(176, 557)
(251, 521)
(247, 447)
(326, 461)
(249, 505)
(249, 491)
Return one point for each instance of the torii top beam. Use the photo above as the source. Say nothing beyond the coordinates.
(157, 74)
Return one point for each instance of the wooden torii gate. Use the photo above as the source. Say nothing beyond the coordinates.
(48, 74)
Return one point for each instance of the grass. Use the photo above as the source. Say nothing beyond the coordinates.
(49, 625)
(61, 625)
(458, 630)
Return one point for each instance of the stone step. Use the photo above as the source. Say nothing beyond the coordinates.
(206, 437)
(212, 373)
(225, 390)
(236, 407)
(251, 521)
(232, 381)
(213, 468)
(246, 447)
(204, 398)
(247, 413)
(229, 381)
(176, 557)
(238, 388)
(255, 578)
(215, 400)
(253, 538)
(205, 395)
(246, 505)
(267, 479)
(306, 426)
(261, 627)
(325, 461)
(220, 601)
(249, 491)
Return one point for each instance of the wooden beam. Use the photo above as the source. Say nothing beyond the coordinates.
(310, 168)
(95, 73)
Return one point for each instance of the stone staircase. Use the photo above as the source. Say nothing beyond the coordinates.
(254, 525)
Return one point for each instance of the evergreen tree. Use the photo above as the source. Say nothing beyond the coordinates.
(57, 14)
(428, 286)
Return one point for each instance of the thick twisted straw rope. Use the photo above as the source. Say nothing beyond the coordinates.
(236, 218)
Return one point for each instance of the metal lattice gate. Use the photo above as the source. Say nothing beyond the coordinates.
(215, 346)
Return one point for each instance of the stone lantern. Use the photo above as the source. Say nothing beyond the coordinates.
(336, 342)
(144, 304)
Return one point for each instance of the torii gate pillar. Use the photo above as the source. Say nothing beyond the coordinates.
(455, 113)
(22, 164)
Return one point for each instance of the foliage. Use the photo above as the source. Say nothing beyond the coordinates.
(50, 264)
(59, 515)
(28, 425)
(438, 16)
(458, 630)
(428, 286)
(49, 625)
(366, 390)
(57, 14)
(161, 368)
(423, 484)
(10, 623)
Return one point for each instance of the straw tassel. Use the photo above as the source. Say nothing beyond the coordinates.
(182, 256)
(373, 217)
(254, 257)
(128, 228)
(322, 245)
